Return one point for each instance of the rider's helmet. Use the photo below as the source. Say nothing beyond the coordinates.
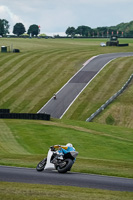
(69, 145)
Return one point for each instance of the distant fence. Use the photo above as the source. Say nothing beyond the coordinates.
(109, 100)
(5, 114)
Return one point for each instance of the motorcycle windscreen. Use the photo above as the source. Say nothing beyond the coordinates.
(49, 165)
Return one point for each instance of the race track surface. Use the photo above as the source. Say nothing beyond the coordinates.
(25, 175)
(72, 89)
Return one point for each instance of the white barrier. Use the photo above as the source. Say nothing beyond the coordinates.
(109, 100)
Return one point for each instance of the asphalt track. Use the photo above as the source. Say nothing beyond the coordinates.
(72, 89)
(26, 175)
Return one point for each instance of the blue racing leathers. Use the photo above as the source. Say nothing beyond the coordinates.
(63, 151)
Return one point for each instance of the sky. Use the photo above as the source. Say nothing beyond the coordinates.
(55, 16)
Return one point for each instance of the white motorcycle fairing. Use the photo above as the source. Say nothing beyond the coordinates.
(56, 160)
(49, 165)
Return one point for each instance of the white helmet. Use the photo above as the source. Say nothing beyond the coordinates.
(69, 145)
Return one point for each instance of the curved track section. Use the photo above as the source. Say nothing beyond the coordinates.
(72, 89)
(25, 175)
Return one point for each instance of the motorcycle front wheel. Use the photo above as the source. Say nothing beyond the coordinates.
(41, 165)
(65, 166)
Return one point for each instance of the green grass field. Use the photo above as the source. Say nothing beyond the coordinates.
(29, 79)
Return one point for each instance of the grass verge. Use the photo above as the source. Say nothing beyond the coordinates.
(22, 191)
(102, 149)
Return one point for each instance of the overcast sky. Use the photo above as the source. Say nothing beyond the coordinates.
(55, 16)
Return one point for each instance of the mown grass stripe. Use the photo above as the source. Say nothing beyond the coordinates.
(5, 58)
(7, 139)
(15, 69)
(110, 81)
(14, 77)
(18, 65)
(28, 72)
(22, 65)
(7, 65)
(115, 80)
(19, 77)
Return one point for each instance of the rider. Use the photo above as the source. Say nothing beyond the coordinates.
(66, 150)
(63, 151)
(54, 96)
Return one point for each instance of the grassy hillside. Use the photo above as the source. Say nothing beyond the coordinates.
(29, 79)
(120, 112)
(103, 149)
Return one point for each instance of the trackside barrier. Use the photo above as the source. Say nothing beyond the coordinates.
(109, 100)
(4, 110)
(39, 116)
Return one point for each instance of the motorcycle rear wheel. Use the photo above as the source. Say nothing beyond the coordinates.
(41, 165)
(67, 166)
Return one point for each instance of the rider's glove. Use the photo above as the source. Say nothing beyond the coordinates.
(59, 147)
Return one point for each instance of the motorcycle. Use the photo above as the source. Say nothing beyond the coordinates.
(57, 161)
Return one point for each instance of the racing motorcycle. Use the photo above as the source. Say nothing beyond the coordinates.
(57, 161)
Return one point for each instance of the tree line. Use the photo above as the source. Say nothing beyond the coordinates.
(120, 30)
(85, 31)
(18, 28)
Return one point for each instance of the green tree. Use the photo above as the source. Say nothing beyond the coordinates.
(33, 30)
(4, 27)
(1, 28)
(84, 31)
(19, 29)
(70, 31)
(103, 31)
